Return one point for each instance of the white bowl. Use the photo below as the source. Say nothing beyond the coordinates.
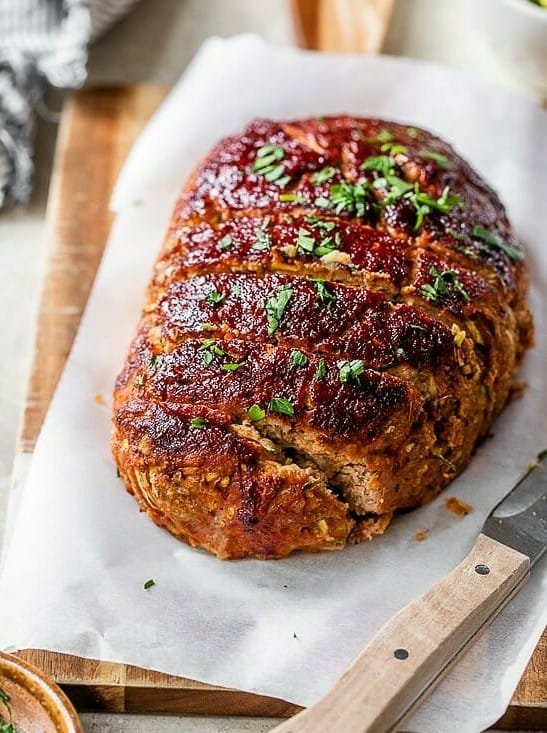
(516, 31)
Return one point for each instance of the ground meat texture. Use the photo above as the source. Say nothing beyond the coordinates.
(333, 322)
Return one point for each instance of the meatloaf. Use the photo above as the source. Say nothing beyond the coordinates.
(332, 324)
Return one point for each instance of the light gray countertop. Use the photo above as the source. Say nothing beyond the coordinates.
(155, 43)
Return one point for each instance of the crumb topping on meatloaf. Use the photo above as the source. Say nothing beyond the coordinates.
(334, 320)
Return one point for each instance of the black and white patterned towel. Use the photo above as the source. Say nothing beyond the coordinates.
(41, 42)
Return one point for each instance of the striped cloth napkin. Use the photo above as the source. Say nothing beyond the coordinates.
(41, 42)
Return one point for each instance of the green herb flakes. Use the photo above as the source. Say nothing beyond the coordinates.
(382, 164)
(275, 307)
(417, 327)
(441, 160)
(350, 370)
(263, 240)
(268, 164)
(256, 413)
(401, 353)
(384, 136)
(232, 366)
(225, 243)
(154, 359)
(305, 241)
(207, 326)
(492, 241)
(394, 148)
(150, 583)
(139, 381)
(443, 283)
(215, 298)
(412, 132)
(324, 295)
(292, 198)
(197, 423)
(323, 175)
(322, 202)
(298, 359)
(328, 226)
(460, 236)
(321, 370)
(6, 727)
(349, 197)
(281, 406)
(209, 350)
(394, 187)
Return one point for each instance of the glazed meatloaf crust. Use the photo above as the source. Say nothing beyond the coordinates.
(334, 321)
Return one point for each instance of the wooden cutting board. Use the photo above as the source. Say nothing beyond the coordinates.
(97, 129)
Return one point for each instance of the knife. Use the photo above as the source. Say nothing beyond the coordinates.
(412, 652)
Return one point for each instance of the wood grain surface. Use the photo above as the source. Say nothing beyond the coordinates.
(342, 26)
(97, 130)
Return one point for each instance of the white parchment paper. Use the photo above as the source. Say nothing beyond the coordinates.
(80, 552)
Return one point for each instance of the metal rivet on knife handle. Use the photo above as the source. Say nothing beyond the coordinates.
(482, 569)
(400, 654)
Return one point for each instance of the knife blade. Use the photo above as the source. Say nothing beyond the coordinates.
(411, 653)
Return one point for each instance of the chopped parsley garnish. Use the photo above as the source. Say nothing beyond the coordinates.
(323, 175)
(384, 136)
(275, 307)
(323, 202)
(207, 326)
(305, 241)
(460, 236)
(298, 359)
(350, 370)
(232, 366)
(214, 298)
(149, 584)
(379, 164)
(256, 413)
(327, 246)
(267, 164)
(210, 349)
(321, 371)
(197, 422)
(443, 283)
(263, 240)
(396, 188)
(441, 160)
(394, 148)
(6, 727)
(412, 132)
(492, 241)
(281, 406)
(139, 381)
(293, 197)
(323, 293)
(154, 359)
(328, 226)
(349, 197)
(225, 243)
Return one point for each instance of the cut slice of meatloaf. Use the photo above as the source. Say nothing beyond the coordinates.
(333, 322)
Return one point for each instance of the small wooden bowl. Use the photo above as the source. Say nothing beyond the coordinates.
(37, 703)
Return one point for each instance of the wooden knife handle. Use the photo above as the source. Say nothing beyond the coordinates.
(410, 654)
